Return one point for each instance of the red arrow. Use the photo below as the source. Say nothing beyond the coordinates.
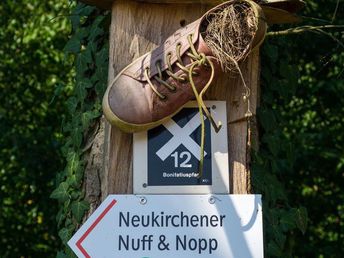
(88, 231)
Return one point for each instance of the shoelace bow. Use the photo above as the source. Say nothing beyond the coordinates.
(199, 59)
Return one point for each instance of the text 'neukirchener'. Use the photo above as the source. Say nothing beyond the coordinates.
(153, 219)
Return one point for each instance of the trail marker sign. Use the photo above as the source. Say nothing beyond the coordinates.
(166, 158)
(169, 226)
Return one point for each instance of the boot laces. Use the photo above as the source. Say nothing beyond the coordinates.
(198, 59)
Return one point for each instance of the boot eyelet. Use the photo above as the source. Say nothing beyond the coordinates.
(164, 98)
(206, 66)
(158, 62)
(173, 90)
(147, 71)
(184, 80)
(195, 72)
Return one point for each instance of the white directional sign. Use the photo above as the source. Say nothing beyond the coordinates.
(167, 158)
(169, 226)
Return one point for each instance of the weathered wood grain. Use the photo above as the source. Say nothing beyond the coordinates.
(291, 5)
(230, 88)
(139, 27)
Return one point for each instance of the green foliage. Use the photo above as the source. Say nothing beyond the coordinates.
(88, 45)
(32, 35)
(299, 164)
(276, 158)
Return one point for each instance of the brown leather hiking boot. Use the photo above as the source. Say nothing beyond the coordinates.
(155, 86)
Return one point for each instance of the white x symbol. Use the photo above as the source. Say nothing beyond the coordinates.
(181, 135)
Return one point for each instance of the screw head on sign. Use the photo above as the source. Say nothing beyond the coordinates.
(212, 200)
(213, 106)
(144, 185)
(143, 200)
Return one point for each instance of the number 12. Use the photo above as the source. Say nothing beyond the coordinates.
(183, 164)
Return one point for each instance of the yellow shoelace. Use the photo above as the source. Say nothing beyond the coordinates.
(198, 60)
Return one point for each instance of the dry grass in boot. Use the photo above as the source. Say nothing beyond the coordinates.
(229, 34)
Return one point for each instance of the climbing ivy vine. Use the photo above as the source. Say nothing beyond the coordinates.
(88, 46)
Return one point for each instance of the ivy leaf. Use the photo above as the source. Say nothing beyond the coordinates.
(83, 59)
(83, 10)
(87, 83)
(73, 45)
(73, 162)
(79, 174)
(279, 237)
(287, 220)
(60, 217)
(275, 188)
(302, 219)
(75, 20)
(70, 253)
(86, 55)
(72, 181)
(79, 209)
(102, 58)
(57, 92)
(101, 74)
(96, 30)
(80, 92)
(72, 103)
(100, 87)
(66, 208)
(81, 34)
(61, 192)
(69, 223)
(61, 255)
(88, 116)
(76, 138)
(81, 67)
(65, 234)
(274, 250)
(92, 46)
(67, 127)
(75, 195)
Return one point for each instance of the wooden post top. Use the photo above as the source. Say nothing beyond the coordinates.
(291, 6)
(276, 11)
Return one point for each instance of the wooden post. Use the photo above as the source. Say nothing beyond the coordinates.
(138, 27)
